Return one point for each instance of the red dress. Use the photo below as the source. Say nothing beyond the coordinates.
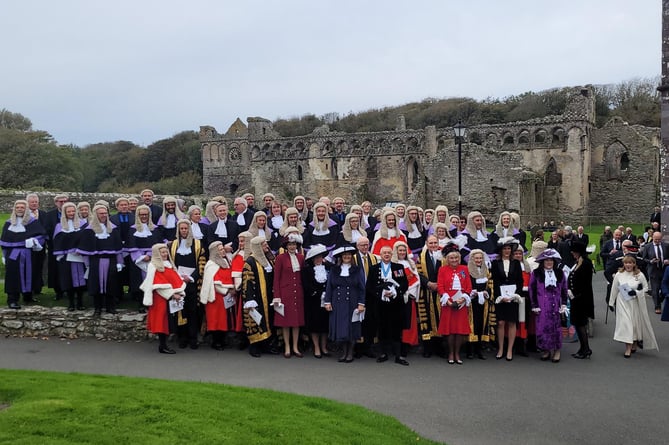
(410, 335)
(157, 318)
(454, 320)
(288, 288)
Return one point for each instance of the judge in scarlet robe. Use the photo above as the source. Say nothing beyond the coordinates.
(162, 283)
(218, 295)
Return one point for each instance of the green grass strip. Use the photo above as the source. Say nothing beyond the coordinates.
(66, 408)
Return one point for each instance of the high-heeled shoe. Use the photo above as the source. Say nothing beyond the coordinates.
(545, 356)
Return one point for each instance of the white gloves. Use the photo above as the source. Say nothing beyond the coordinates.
(570, 294)
(250, 304)
(468, 300)
(59, 257)
(119, 267)
(564, 310)
(536, 310)
(517, 298)
(32, 243)
(3, 260)
(444, 299)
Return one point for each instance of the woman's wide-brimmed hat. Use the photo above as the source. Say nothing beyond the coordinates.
(316, 250)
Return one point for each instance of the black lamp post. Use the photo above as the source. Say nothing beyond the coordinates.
(459, 131)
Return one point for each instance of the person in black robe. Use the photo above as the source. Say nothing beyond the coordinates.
(102, 248)
(477, 235)
(185, 251)
(52, 219)
(143, 234)
(257, 281)
(167, 223)
(386, 284)
(71, 270)
(40, 258)
(223, 229)
(428, 304)
(21, 235)
(314, 279)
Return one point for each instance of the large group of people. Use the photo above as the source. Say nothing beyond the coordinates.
(288, 277)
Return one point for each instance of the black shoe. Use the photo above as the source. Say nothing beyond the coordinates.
(81, 308)
(166, 350)
(401, 361)
(382, 358)
(480, 356)
(142, 310)
(14, 306)
(31, 300)
(194, 345)
(183, 344)
(470, 356)
(70, 309)
(582, 355)
(217, 346)
(97, 313)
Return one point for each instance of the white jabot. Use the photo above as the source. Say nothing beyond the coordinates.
(18, 227)
(355, 236)
(480, 236)
(104, 234)
(142, 231)
(170, 221)
(197, 233)
(551, 280)
(183, 249)
(240, 219)
(294, 262)
(345, 269)
(221, 229)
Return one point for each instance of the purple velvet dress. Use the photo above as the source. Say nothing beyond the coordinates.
(548, 299)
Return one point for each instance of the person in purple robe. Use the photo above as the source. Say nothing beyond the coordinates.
(21, 235)
(548, 296)
(142, 235)
(102, 249)
(71, 270)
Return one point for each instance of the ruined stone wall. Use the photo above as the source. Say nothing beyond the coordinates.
(625, 176)
(544, 168)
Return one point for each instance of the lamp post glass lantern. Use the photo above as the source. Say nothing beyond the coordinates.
(459, 131)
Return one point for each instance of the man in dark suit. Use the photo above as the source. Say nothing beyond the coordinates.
(224, 229)
(386, 286)
(156, 210)
(656, 256)
(581, 236)
(428, 305)
(369, 221)
(123, 219)
(611, 246)
(656, 216)
(629, 235)
(365, 258)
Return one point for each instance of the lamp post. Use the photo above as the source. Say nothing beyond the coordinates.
(459, 131)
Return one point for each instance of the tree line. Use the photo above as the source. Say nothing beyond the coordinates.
(33, 160)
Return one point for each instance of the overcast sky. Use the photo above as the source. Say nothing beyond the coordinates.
(89, 71)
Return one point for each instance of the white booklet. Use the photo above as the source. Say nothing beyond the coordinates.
(176, 306)
(255, 315)
(507, 291)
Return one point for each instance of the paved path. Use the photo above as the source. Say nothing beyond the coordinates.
(605, 400)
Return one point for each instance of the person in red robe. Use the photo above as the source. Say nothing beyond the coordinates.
(162, 283)
(388, 233)
(218, 295)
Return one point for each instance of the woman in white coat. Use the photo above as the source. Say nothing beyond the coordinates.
(628, 296)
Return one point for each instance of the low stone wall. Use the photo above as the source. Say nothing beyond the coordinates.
(38, 321)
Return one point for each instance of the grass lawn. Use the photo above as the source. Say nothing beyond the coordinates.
(58, 408)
